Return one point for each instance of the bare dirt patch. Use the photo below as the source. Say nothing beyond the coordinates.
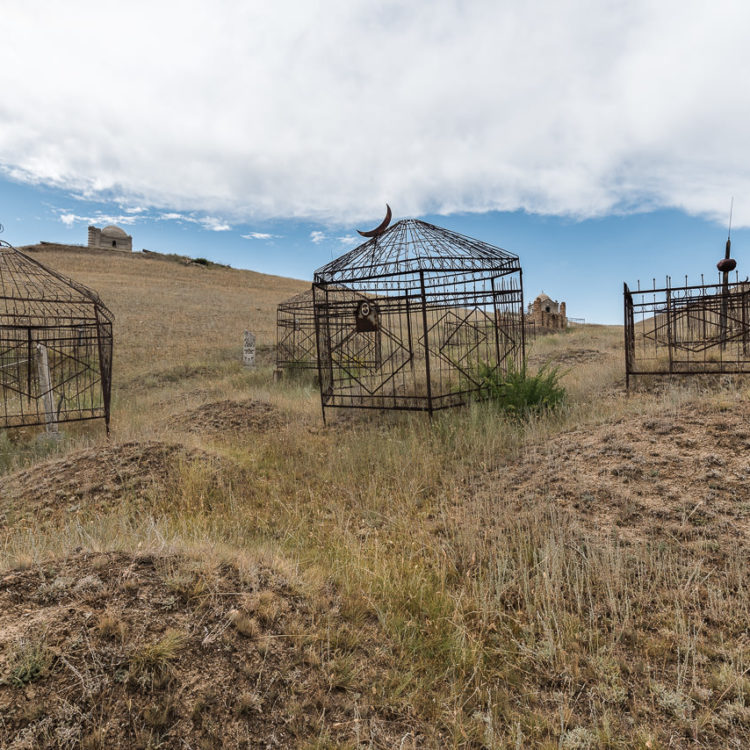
(92, 478)
(220, 417)
(123, 651)
(569, 356)
(682, 475)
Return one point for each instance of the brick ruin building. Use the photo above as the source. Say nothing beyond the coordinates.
(547, 313)
(110, 238)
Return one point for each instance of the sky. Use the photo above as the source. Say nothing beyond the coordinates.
(600, 141)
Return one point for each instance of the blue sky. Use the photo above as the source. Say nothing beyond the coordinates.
(583, 262)
(600, 140)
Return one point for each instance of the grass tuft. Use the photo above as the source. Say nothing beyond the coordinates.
(519, 393)
(150, 664)
(244, 624)
(28, 661)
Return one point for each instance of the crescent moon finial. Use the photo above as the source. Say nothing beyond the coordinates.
(381, 227)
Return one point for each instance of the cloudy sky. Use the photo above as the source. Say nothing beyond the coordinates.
(266, 132)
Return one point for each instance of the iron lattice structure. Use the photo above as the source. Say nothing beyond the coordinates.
(295, 333)
(687, 330)
(407, 319)
(55, 346)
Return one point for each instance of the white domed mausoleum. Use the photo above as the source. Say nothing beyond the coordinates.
(110, 238)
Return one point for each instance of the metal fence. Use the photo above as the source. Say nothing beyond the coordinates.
(687, 330)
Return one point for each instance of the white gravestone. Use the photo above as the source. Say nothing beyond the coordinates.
(248, 350)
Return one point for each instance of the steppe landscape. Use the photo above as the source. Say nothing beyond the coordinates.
(226, 571)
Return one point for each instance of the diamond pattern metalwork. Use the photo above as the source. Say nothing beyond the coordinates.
(445, 303)
(55, 346)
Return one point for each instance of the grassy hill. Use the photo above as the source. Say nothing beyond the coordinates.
(227, 572)
(168, 312)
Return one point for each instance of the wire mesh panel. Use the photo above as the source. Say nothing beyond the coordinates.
(687, 330)
(415, 318)
(55, 346)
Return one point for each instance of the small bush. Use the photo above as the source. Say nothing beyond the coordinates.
(519, 393)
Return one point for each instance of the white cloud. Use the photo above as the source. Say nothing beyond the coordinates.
(258, 236)
(316, 237)
(349, 239)
(207, 222)
(327, 110)
(69, 218)
(214, 224)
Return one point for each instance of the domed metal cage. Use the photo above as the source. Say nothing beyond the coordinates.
(416, 319)
(55, 346)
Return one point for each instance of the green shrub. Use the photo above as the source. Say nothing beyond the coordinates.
(520, 393)
(28, 661)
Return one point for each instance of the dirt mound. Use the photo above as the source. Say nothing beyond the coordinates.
(682, 475)
(569, 356)
(95, 477)
(228, 417)
(115, 651)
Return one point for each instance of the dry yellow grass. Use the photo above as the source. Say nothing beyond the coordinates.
(170, 314)
(578, 580)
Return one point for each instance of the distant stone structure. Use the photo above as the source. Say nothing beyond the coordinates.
(110, 238)
(547, 313)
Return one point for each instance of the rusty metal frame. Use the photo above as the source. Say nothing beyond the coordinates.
(445, 304)
(687, 330)
(41, 309)
(296, 347)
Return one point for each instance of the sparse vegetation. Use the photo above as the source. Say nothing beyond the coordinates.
(28, 660)
(574, 579)
(520, 393)
(244, 624)
(111, 626)
(156, 657)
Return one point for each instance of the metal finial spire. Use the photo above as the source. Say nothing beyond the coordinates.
(731, 207)
(729, 233)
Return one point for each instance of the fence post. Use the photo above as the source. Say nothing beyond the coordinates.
(426, 342)
(45, 389)
(669, 328)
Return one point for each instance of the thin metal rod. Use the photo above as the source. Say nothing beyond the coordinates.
(523, 322)
(426, 344)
